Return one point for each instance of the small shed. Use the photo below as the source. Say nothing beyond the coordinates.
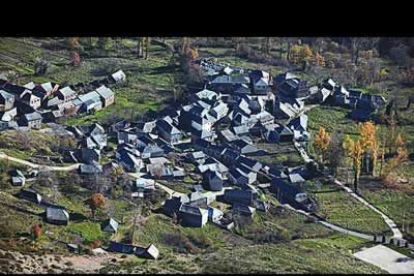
(151, 252)
(57, 215)
(110, 225)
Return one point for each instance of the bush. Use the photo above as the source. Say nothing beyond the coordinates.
(180, 243)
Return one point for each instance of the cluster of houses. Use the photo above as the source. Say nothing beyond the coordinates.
(216, 131)
(27, 106)
(289, 92)
(362, 105)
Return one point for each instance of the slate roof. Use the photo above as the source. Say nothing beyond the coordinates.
(207, 94)
(8, 115)
(295, 178)
(111, 223)
(121, 247)
(250, 163)
(57, 213)
(105, 92)
(90, 97)
(90, 169)
(163, 124)
(300, 123)
(67, 91)
(185, 208)
(32, 116)
(6, 95)
(119, 76)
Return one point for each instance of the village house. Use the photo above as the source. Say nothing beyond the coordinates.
(192, 216)
(30, 195)
(286, 108)
(118, 247)
(57, 215)
(214, 214)
(30, 99)
(87, 156)
(172, 206)
(168, 132)
(284, 134)
(110, 225)
(6, 100)
(6, 118)
(290, 86)
(212, 181)
(260, 81)
(18, 178)
(90, 102)
(107, 96)
(292, 194)
(66, 94)
(245, 197)
(31, 120)
(225, 83)
(130, 161)
(90, 169)
(118, 77)
(196, 157)
(151, 252)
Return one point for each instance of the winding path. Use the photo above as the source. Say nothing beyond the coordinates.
(40, 167)
(333, 226)
(396, 232)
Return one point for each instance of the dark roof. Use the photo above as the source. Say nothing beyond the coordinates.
(287, 189)
(186, 208)
(32, 116)
(284, 76)
(225, 79)
(361, 114)
(90, 169)
(250, 163)
(120, 247)
(30, 194)
(57, 213)
(241, 194)
(355, 94)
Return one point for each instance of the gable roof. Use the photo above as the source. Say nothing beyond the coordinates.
(57, 213)
(32, 116)
(6, 95)
(105, 92)
(8, 115)
(207, 94)
(186, 208)
(119, 76)
(299, 123)
(111, 223)
(67, 91)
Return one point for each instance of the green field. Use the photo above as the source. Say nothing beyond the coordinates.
(338, 207)
(397, 204)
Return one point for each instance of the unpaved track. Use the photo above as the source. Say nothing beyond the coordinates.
(39, 166)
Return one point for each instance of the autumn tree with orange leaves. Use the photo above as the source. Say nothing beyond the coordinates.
(37, 231)
(95, 202)
(357, 153)
(400, 159)
(369, 143)
(321, 143)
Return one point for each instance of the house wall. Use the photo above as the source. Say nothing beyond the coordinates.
(58, 222)
(35, 124)
(6, 104)
(192, 220)
(108, 101)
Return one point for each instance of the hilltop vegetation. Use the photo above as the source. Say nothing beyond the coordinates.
(273, 242)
